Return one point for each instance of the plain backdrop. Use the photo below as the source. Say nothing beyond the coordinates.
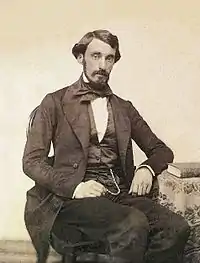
(159, 72)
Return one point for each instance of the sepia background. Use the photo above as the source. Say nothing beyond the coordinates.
(159, 72)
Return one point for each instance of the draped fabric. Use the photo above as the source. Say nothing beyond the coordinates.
(182, 196)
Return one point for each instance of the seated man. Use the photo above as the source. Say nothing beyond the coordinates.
(92, 191)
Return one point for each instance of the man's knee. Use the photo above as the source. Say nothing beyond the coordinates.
(176, 230)
(138, 220)
(136, 223)
(168, 239)
(130, 236)
(181, 227)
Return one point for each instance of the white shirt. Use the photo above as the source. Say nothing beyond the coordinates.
(100, 113)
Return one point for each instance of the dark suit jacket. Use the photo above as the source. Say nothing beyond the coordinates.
(62, 119)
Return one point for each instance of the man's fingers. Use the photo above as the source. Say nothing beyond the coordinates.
(97, 188)
(92, 195)
(144, 189)
(90, 188)
(135, 188)
(95, 193)
(95, 184)
(148, 188)
(140, 189)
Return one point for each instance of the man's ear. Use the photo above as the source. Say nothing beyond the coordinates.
(80, 59)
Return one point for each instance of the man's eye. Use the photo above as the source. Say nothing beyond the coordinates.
(96, 56)
(110, 59)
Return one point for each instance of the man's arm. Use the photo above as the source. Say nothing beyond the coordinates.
(158, 154)
(35, 158)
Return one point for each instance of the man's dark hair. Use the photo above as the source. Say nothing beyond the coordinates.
(103, 35)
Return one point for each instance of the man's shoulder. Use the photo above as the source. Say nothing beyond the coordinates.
(59, 93)
(121, 100)
(126, 104)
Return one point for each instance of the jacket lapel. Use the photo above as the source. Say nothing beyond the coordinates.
(122, 127)
(76, 113)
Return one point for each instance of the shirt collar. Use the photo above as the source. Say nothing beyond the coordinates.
(85, 79)
(87, 93)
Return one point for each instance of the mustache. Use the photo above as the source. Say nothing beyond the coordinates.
(101, 72)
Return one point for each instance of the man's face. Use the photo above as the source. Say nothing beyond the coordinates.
(98, 61)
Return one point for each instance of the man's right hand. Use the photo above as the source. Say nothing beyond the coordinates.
(90, 188)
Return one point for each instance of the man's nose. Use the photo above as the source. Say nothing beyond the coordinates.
(102, 63)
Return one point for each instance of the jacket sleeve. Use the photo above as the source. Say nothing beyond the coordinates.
(158, 154)
(35, 160)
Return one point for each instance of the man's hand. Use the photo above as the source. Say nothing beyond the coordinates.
(90, 188)
(142, 182)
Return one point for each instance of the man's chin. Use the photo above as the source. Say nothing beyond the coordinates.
(101, 80)
(98, 81)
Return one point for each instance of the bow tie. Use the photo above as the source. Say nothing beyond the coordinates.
(90, 92)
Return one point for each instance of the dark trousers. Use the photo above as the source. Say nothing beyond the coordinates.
(133, 228)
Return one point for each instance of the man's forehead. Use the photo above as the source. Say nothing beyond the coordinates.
(97, 45)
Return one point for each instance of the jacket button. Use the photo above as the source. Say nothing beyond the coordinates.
(75, 165)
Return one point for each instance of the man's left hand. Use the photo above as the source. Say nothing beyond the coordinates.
(142, 182)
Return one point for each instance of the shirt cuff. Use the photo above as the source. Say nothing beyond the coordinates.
(76, 189)
(148, 167)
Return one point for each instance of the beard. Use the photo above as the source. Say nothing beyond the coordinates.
(102, 81)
